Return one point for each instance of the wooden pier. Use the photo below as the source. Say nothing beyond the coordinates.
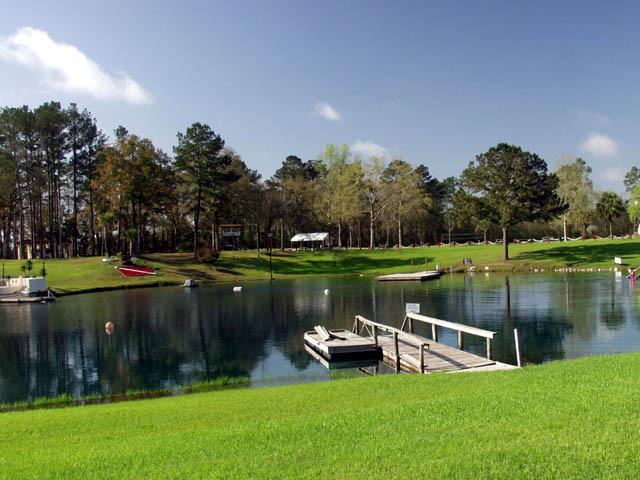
(406, 351)
(404, 277)
(401, 348)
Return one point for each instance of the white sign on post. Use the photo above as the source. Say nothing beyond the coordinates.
(412, 308)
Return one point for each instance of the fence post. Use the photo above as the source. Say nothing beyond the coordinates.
(396, 350)
(515, 336)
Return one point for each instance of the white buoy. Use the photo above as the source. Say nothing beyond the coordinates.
(237, 289)
(326, 291)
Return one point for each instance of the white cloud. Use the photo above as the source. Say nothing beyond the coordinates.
(600, 145)
(63, 67)
(369, 149)
(327, 112)
(614, 174)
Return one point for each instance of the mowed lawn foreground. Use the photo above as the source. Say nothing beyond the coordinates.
(90, 273)
(567, 419)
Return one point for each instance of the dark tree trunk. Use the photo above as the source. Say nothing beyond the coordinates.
(91, 222)
(74, 238)
(282, 234)
(196, 222)
(505, 242)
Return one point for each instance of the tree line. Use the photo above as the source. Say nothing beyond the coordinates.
(67, 189)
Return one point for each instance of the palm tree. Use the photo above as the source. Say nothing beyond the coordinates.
(610, 207)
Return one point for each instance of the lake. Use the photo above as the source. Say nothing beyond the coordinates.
(165, 337)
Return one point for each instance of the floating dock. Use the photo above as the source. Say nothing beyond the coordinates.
(26, 299)
(340, 364)
(404, 350)
(337, 344)
(404, 277)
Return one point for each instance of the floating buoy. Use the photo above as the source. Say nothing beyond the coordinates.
(109, 327)
(237, 289)
(326, 291)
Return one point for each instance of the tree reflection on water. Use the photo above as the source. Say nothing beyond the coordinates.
(171, 336)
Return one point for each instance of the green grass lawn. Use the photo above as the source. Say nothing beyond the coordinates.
(569, 419)
(83, 274)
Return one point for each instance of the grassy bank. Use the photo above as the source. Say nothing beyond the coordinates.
(87, 274)
(66, 400)
(577, 419)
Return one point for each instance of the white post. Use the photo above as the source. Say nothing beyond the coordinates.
(515, 336)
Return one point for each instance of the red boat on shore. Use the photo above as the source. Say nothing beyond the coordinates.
(135, 270)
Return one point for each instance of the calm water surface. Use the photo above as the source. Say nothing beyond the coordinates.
(166, 337)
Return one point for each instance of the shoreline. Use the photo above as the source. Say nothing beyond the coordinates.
(89, 275)
(461, 270)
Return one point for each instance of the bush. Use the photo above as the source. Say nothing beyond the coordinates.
(208, 255)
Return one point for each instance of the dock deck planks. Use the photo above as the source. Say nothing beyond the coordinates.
(437, 358)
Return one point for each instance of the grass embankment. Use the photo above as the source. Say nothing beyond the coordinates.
(90, 274)
(570, 419)
(66, 400)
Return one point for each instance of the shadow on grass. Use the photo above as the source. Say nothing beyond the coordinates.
(343, 263)
(582, 254)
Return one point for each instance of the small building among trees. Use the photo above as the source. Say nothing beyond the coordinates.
(231, 236)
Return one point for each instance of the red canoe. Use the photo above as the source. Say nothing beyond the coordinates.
(135, 270)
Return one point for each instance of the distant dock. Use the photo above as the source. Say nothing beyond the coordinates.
(25, 290)
(405, 277)
(402, 349)
(26, 299)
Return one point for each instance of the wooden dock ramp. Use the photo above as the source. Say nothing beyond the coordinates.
(406, 351)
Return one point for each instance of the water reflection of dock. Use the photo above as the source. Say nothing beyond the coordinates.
(401, 348)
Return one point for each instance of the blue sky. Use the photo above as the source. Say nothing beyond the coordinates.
(434, 83)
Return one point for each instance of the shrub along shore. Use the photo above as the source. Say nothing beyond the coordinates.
(565, 419)
(88, 274)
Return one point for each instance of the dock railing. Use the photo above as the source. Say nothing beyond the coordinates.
(361, 323)
(460, 328)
